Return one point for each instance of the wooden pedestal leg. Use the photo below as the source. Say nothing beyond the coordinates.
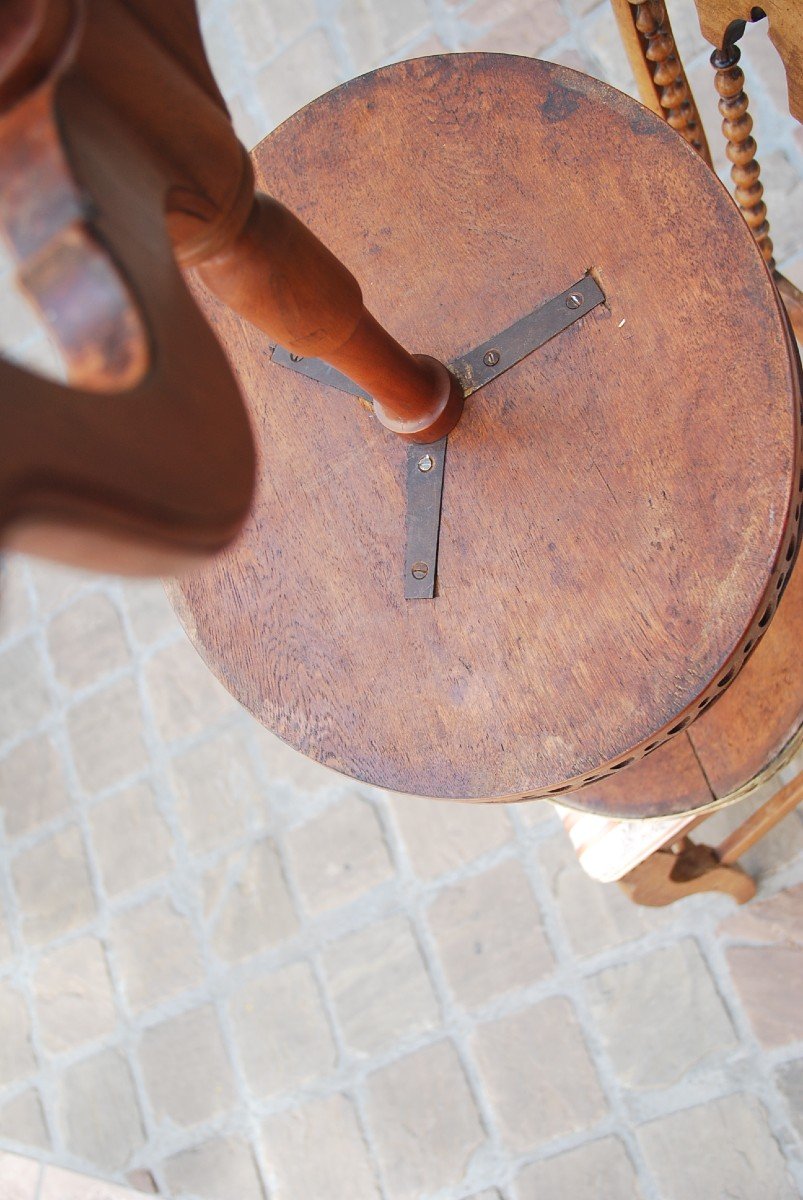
(687, 867)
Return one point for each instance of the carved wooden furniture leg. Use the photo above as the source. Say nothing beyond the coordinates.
(686, 867)
(650, 45)
(684, 870)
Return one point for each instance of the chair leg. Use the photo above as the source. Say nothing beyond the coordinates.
(684, 870)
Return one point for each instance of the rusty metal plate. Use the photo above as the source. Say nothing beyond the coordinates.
(503, 351)
(424, 491)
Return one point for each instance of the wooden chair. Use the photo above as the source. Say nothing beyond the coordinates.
(758, 727)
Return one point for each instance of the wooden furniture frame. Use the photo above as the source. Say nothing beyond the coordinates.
(659, 863)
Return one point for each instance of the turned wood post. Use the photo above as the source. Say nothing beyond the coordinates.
(279, 276)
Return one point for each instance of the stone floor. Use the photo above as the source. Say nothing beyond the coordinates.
(226, 972)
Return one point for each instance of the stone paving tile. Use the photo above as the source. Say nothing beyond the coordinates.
(489, 936)
(683, 1025)
(186, 1068)
(22, 1121)
(439, 836)
(86, 641)
(215, 789)
(98, 1110)
(376, 30)
(769, 974)
(58, 1184)
(185, 695)
(53, 888)
(24, 698)
(256, 910)
(724, 1148)
(15, 604)
(595, 918)
(305, 70)
(318, 1150)
(19, 1177)
(149, 611)
(284, 765)
(215, 1170)
(107, 736)
(790, 1084)
(33, 787)
(55, 585)
(73, 995)
(281, 1031)
(423, 1121)
(131, 839)
(17, 1059)
(380, 987)
(155, 952)
(597, 1169)
(526, 27)
(6, 945)
(537, 1075)
(339, 856)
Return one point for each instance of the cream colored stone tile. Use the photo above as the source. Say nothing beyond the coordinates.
(73, 994)
(424, 1122)
(299, 74)
(728, 1150)
(379, 986)
(440, 835)
(339, 855)
(53, 888)
(537, 1075)
(282, 1031)
(318, 1150)
(186, 1068)
(131, 839)
(156, 953)
(24, 696)
(19, 1177)
(107, 736)
(86, 641)
(220, 1168)
(33, 786)
(489, 935)
(185, 695)
(216, 790)
(255, 911)
(599, 1167)
(22, 1120)
(17, 1058)
(149, 610)
(688, 1025)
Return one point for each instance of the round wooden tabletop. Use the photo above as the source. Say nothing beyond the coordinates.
(620, 510)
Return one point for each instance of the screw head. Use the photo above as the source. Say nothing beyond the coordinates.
(426, 463)
(574, 301)
(491, 358)
(419, 570)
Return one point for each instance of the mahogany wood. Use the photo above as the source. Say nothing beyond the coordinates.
(741, 148)
(785, 17)
(647, 36)
(115, 142)
(613, 529)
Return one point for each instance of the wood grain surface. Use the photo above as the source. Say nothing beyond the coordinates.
(617, 510)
